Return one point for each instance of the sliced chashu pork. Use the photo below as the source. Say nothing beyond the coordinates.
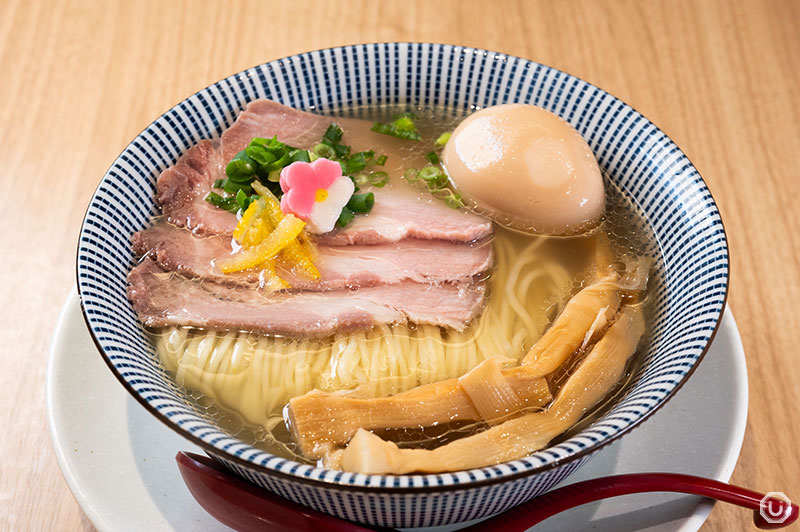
(178, 250)
(400, 211)
(164, 299)
(267, 119)
(181, 190)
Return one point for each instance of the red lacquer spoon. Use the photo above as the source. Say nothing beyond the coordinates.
(248, 508)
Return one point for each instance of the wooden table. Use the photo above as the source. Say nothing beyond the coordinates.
(80, 79)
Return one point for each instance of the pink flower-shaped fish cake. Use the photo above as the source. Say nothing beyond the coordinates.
(315, 192)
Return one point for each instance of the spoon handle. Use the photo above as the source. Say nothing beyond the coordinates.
(246, 507)
(769, 513)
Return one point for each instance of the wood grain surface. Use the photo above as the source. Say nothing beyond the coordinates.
(78, 80)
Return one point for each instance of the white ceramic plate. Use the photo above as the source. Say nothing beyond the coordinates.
(119, 460)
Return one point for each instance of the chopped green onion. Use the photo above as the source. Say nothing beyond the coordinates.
(232, 187)
(218, 183)
(405, 123)
(273, 145)
(354, 164)
(345, 217)
(443, 138)
(240, 168)
(360, 180)
(369, 155)
(341, 150)
(381, 160)
(242, 199)
(454, 200)
(361, 203)
(437, 184)
(277, 165)
(432, 157)
(260, 154)
(300, 156)
(242, 156)
(411, 175)
(430, 173)
(229, 204)
(378, 179)
(241, 179)
(324, 150)
(331, 138)
(394, 131)
(333, 134)
(260, 141)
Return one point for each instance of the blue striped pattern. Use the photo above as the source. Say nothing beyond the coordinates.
(645, 164)
(411, 509)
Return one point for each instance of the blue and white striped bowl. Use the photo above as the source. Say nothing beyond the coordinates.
(646, 165)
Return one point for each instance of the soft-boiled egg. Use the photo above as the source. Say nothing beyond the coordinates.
(526, 168)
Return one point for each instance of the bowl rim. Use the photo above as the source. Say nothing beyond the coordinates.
(582, 454)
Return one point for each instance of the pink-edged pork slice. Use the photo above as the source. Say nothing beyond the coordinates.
(181, 191)
(400, 211)
(267, 119)
(176, 249)
(162, 299)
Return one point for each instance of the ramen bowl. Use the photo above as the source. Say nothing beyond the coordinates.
(689, 286)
